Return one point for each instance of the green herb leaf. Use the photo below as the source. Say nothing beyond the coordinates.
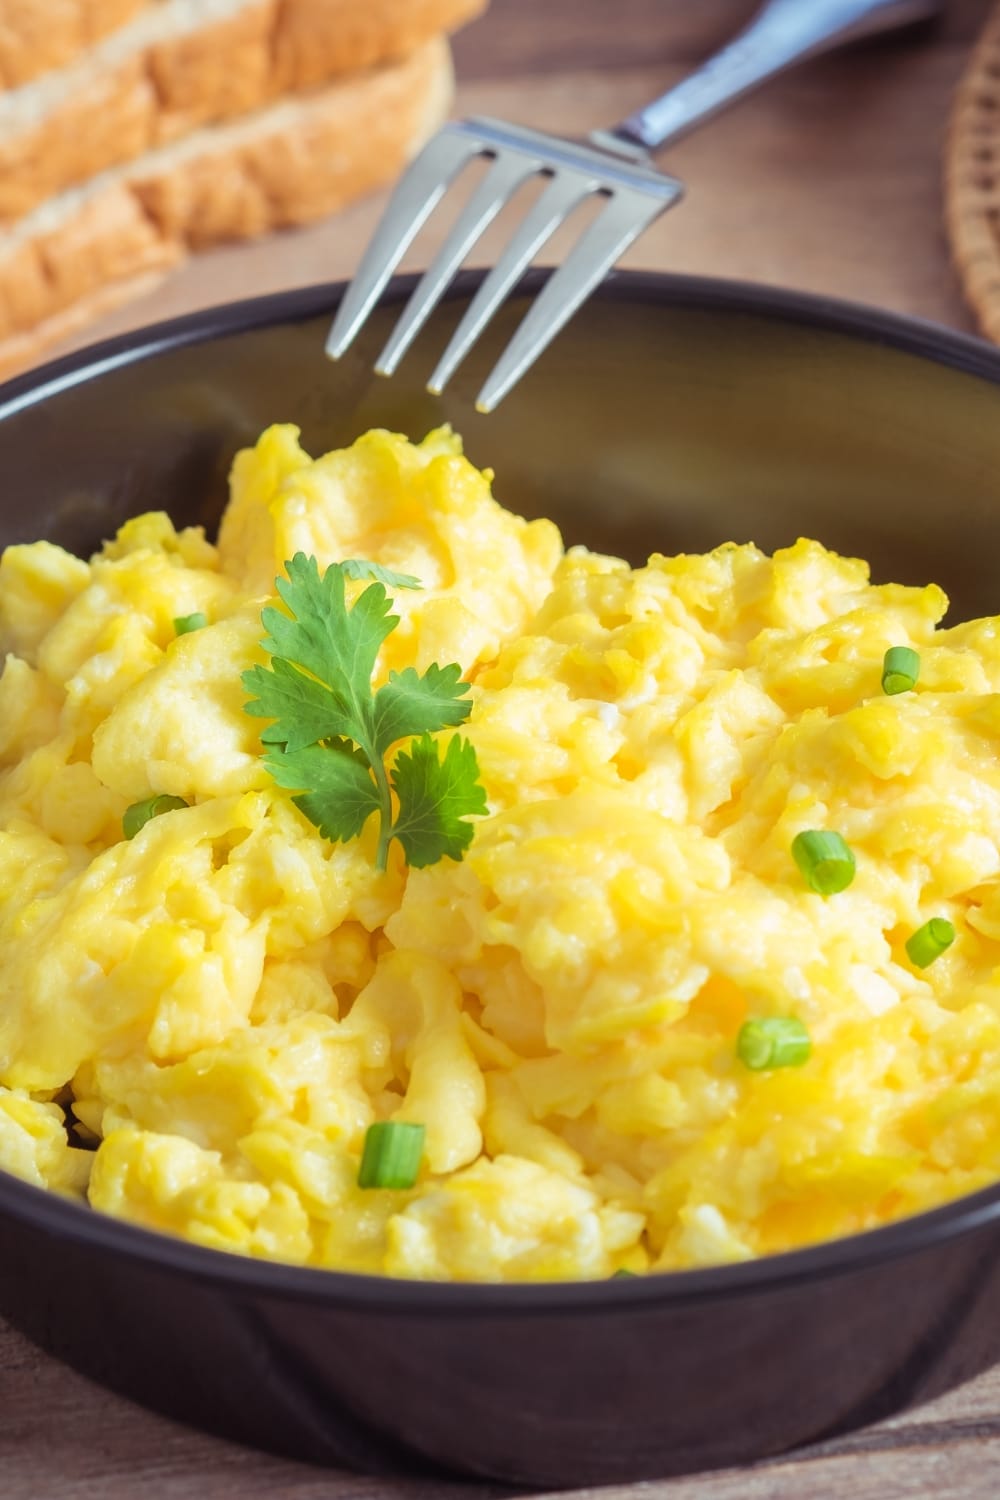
(322, 636)
(303, 709)
(136, 816)
(337, 791)
(435, 797)
(330, 734)
(410, 704)
(184, 624)
(359, 567)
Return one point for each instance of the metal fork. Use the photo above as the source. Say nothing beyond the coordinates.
(614, 163)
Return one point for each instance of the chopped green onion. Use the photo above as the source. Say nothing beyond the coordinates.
(139, 814)
(773, 1042)
(391, 1155)
(826, 862)
(184, 624)
(621, 1271)
(900, 669)
(930, 941)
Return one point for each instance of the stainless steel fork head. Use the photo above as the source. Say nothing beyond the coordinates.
(615, 165)
(621, 173)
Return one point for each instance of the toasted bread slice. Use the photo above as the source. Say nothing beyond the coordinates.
(179, 65)
(37, 37)
(95, 246)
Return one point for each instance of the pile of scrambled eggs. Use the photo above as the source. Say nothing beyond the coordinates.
(220, 1006)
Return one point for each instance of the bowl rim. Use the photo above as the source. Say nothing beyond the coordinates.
(966, 352)
(64, 1218)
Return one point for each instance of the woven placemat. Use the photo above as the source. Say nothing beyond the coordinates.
(972, 179)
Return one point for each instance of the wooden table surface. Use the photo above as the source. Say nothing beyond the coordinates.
(829, 180)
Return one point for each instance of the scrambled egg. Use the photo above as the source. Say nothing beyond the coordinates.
(198, 1025)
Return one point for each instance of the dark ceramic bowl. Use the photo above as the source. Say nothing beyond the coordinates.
(671, 414)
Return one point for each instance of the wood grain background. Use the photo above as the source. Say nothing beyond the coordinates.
(829, 180)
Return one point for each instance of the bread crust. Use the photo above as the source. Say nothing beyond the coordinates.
(158, 92)
(37, 37)
(289, 164)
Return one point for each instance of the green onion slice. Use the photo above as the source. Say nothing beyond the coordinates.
(622, 1271)
(139, 814)
(773, 1042)
(826, 862)
(391, 1155)
(184, 624)
(929, 941)
(900, 669)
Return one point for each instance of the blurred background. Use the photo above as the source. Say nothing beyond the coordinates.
(828, 179)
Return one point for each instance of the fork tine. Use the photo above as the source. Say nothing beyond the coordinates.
(541, 221)
(505, 176)
(627, 214)
(417, 193)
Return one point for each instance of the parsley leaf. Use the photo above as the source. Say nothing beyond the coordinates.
(330, 734)
(435, 796)
(335, 644)
(410, 704)
(342, 795)
(358, 567)
(303, 709)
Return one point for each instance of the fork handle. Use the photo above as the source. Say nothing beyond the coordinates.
(782, 33)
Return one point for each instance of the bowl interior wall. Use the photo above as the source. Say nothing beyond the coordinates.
(646, 426)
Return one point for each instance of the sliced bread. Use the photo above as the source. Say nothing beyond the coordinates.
(92, 247)
(179, 65)
(39, 35)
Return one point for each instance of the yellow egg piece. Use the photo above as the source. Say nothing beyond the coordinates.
(639, 1025)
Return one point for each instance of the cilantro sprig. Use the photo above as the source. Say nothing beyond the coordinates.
(331, 736)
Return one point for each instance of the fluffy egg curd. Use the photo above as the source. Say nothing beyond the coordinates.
(718, 976)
